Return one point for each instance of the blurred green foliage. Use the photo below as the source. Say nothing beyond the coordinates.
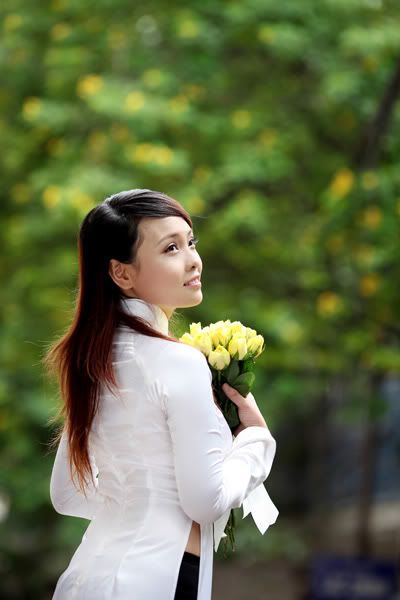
(252, 114)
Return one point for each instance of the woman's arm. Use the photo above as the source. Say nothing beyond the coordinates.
(209, 480)
(65, 497)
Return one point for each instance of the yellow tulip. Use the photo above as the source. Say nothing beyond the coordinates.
(237, 328)
(195, 328)
(219, 358)
(220, 336)
(203, 343)
(255, 345)
(188, 339)
(238, 345)
(217, 324)
(250, 332)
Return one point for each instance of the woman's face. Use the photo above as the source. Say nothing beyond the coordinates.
(166, 259)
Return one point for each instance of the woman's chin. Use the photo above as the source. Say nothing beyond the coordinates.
(196, 299)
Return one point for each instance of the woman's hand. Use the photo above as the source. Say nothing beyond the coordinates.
(248, 411)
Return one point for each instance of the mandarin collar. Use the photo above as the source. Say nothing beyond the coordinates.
(152, 313)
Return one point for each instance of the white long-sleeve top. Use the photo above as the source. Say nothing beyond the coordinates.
(164, 456)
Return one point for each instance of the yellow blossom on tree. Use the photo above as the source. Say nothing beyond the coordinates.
(12, 22)
(241, 118)
(195, 204)
(162, 155)
(266, 34)
(147, 152)
(335, 243)
(134, 101)
(363, 254)
(51, 196)
(267, 137)
(179, 103)
(328, 303)
(194, 91)
(342, 183)
(116, 38)
(371, 217)
(31, 107)
(141, 152)
(60, 31)
(81, 201)
(188, 28)
(369, 284)
(88, 85)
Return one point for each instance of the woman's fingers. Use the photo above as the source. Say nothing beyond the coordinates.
(248, 411)
(233, 394)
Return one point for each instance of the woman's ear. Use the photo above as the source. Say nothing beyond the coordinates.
(121, 274)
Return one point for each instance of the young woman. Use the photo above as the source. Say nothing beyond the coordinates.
(145, 453)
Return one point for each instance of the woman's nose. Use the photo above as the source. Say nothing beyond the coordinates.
(196, 263)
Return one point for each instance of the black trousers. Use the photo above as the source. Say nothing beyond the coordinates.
(188, 578)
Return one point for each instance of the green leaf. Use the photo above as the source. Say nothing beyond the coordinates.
(232, 371)
(244, 382)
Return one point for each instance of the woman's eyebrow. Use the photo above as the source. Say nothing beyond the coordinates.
(174, 235)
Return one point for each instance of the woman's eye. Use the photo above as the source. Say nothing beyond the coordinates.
(193, 240)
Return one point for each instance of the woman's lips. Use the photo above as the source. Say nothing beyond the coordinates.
(194, 283)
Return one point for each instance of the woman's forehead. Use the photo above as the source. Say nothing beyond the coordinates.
(155, 229)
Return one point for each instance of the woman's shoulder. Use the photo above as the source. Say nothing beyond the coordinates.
(182, 358)
(167, 353)
(179, 367)
(178, 350)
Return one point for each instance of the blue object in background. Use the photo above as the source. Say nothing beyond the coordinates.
(345, 578)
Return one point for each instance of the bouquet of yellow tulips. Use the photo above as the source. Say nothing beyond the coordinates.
(231, 349)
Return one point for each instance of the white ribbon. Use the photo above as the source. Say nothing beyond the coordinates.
(261, 507)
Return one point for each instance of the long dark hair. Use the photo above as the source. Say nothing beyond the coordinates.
(81, 358)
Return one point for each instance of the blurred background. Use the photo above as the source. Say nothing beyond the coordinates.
(276, 125)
